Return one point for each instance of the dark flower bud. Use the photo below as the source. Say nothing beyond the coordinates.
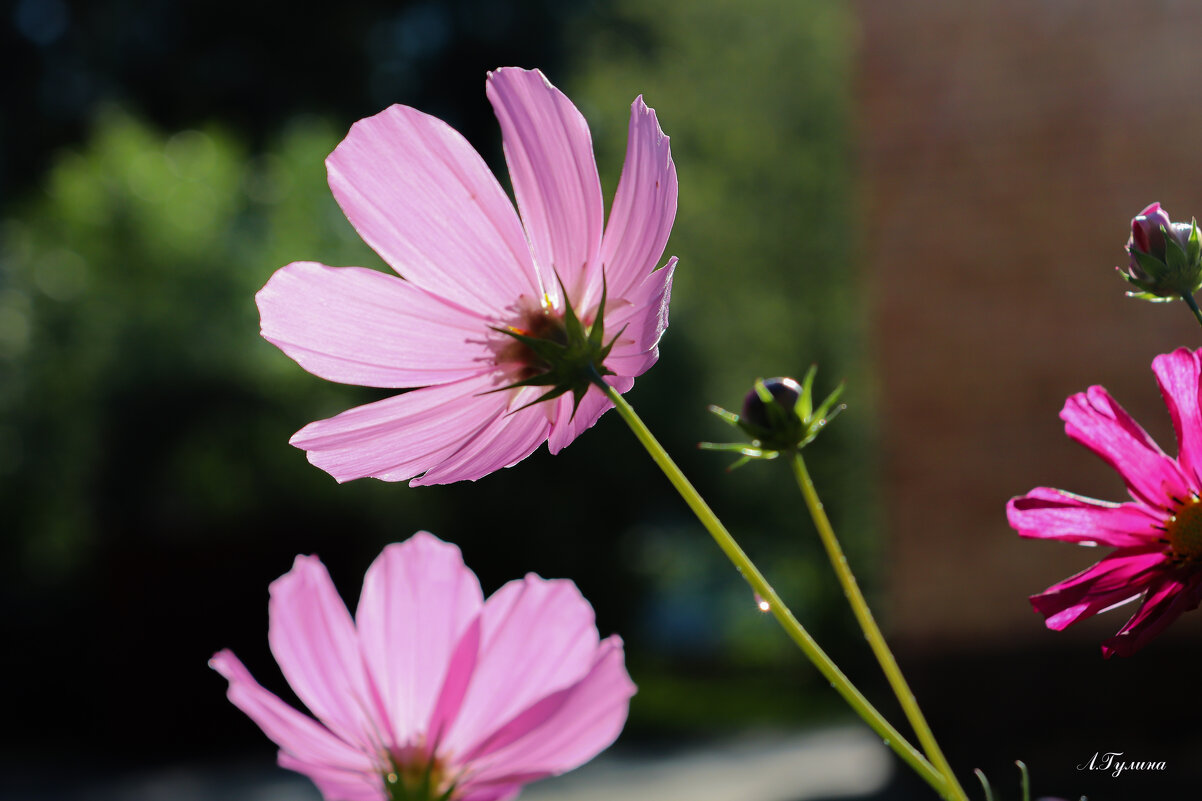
(780, 416)
(785, 393)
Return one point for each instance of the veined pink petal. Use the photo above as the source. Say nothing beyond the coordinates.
(537, 636)
(505, 441)
(642, 318)
(314, 641)
(365, 327)
(403, 436)
(1178, 373)
(311, 744)
(569, 425)
(499, 792)
(1095, 420)
(550, 155)
(644, 207)
(458, 678)
(1120, 576)
(567, 729)
(418, 193)
(1053, 514)
(1167, 599)
(418, 599)
(338, 785)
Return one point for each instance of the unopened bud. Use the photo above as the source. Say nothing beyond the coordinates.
(780, 416)
(1165, 258)
(785, 393)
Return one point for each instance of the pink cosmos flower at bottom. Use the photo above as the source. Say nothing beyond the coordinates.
(431, 692)
(1156, 536)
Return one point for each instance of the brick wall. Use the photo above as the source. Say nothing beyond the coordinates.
(1003, 149)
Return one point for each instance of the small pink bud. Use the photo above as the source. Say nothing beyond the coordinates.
(1146, 234)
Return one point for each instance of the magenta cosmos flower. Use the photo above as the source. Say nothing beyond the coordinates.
(484, 295)
(1156, 536)
(431, 692)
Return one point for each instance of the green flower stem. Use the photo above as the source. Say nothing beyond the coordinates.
(744, 565)
(1189, 300)
(871, 631)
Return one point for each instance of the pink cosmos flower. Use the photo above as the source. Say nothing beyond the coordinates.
(474, 275)
(431, 692)
(1156, 536)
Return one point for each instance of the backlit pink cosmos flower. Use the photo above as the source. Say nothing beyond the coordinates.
(474, 275)
(1156, 536)
(431, 692)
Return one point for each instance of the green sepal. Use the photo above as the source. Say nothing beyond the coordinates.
(1174, 256)
(824, 411)
(748, 452)
(596, 334)
(1193, 246)
(1153, 268)
(805, 403)
(728, 417)
(984, 784)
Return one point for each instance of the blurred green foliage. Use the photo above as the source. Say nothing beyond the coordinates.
(149, 490)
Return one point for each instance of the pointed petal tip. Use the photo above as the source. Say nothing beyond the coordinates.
(224, 663)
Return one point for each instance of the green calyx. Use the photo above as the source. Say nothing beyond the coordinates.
(561, 353)
(1176, 275)
(779, 416)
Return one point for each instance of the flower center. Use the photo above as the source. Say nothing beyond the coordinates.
(543, 347)
(1184, 532)
(416, 777)
(519, 358)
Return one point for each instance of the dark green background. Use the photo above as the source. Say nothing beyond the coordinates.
(161, 159)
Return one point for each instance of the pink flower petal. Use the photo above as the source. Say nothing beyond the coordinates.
(418, 599)
(311, 745)
(365, 327)
(458, 679)
(1053, 514)
(1117, 578)
(502, 792)
(338, 785)
(569, 425)
(567, 729)
(537, 637)
(1095, 420)
(1167, 599)
(642, 320)
(314, 641)
(418, 193)
(1177, 373)
(506, 440)
(550, 155)
(644, 206)
(403, 436)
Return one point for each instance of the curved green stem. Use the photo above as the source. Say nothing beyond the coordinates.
(872, 632)
(1189, 300)
(759, 584)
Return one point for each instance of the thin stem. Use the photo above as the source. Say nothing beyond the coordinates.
(759, 584)
(872, 632)
(1189, 299)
